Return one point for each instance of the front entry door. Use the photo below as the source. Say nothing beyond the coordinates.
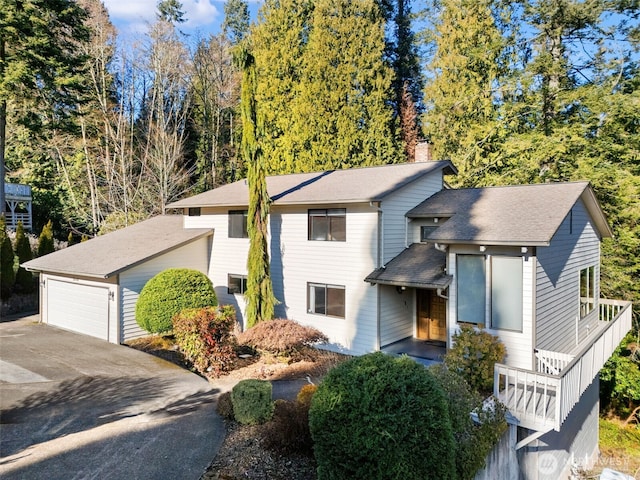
(432, 319)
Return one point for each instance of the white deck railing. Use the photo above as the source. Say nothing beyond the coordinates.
(12, 220)
(543, 400)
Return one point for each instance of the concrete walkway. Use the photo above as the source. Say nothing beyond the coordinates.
(74, 407)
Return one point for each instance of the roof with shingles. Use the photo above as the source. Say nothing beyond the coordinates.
(367, 184)
(420, 266)
(511, 215)
(110, 254)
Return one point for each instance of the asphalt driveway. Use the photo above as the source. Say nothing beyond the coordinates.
(74, 407)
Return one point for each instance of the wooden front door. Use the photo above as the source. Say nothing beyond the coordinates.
(432, 316)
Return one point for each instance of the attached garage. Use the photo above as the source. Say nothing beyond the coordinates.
(78, 306)
(92, 287)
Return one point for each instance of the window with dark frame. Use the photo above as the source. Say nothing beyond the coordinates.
(425, 231)
(194, 211)
(587, 291)
(323, 299)
(494, 281)
(328, 224)
(238, 224)
(236, 284)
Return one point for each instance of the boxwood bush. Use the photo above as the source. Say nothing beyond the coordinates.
(381, 417)
(170, 292)
(252, 404)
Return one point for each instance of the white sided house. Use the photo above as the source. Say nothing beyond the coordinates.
(389, 258)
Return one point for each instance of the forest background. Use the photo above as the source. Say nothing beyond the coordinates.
(108, 130)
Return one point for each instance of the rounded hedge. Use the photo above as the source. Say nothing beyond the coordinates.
(383, 417)
(170, 292)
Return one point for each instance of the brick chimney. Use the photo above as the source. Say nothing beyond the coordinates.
(423, 151)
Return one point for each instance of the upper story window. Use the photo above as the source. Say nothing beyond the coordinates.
(194, 211)
(238, 224)
(328, 224)
(325, 299)
(493, 281)
(236, 284)
(587, 290)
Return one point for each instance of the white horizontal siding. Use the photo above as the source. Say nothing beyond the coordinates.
(296, 261)
(193, 255)
(395, 207)
(397, 314)
(575, 246)
(519, 345)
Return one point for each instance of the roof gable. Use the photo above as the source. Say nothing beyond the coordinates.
(332, 186)
(512, 215)
(110, 254)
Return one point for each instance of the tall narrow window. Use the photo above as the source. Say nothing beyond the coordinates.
(326, 299)
(328, 224)
(238, 224)
(587, 291)
(506, 293)
(471, 287)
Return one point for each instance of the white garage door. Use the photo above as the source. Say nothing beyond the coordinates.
(78, 307)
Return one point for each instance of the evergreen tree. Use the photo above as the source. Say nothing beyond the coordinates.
(236, 20)
(324, 86)
(460, 118)
(279, 41)
(259, 294)
(408, 81)
(170, 11)
(38, 66)
(345, 89)
(7, 276)
(45, 240)
(24, 279)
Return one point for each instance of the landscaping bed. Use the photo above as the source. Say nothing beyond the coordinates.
(243, 455)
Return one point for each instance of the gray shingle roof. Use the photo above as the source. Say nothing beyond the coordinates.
(420, 266)
(513, 215)
(333, 186)
(107, 255)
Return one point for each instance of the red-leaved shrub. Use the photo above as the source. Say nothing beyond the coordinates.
(281, 337)
(205, 337)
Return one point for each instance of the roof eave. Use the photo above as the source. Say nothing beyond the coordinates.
(493, 243)
(105, 275)
(446, 281)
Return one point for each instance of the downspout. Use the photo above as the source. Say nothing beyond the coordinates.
(380, 234)
(381, 265)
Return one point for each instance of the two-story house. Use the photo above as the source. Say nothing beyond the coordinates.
(388, 258)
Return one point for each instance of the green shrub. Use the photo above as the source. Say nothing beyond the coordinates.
(251, 401)
(7, 275)
(473, 356)
(170, 292)
(380, 417)
(474, 439)
(281, 336)
(204, 335)
(225, 406)
(45, 240)
(24, 279)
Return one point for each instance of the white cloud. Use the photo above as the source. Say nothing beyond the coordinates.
(132, 15)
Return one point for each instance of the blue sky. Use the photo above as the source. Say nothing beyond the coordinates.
(205, 16)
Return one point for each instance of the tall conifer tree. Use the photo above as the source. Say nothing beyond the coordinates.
(259, 294)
